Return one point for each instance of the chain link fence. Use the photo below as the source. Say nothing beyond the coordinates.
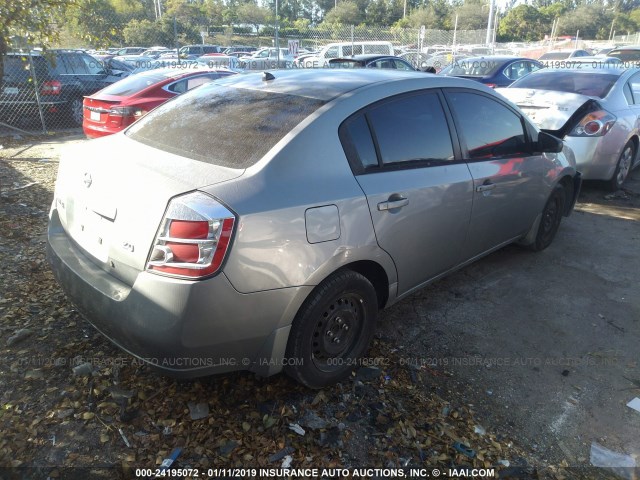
(44, 90)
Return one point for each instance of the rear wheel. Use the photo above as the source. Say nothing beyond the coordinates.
(550, 221)
(332, 330)
(623, 167)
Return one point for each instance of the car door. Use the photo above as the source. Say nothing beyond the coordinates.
(507, 175)
(632, 95)
(418, 191)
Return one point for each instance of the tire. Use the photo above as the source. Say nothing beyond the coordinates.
(550, 221)
(76, 111)
(623, 167)
(332, 329)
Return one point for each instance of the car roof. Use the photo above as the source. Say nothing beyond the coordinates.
(628, 47)
(594, 58)
(611, 69)
(326, 84)
(364, 57)
(505, 58)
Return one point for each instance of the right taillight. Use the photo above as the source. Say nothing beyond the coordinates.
(594, 124)
(193, 238)
(126, 112)
(51, 87)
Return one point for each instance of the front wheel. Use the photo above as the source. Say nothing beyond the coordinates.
(623, 167)
(76, 111)
(550, 221)
(332, 330)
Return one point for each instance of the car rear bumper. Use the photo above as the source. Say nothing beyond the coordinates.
(184, 328)
(96, 131)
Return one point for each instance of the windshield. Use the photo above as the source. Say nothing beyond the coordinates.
(17, 68)
(592, 84)
(222, 125)
(472, 67)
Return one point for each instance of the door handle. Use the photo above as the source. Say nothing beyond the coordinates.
(397, 202)
(485, 187)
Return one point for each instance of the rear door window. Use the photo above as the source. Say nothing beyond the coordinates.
(412, 129)
(75, 64)
(186, 84)
(406, 131)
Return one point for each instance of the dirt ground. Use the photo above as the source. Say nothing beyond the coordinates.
(527, 359)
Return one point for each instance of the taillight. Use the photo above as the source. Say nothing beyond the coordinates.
(492, 85)
(594, 124)
(193, 238)
(51, 87)
(126, 112)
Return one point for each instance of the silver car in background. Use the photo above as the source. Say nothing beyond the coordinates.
(260, 222)
(594, 107)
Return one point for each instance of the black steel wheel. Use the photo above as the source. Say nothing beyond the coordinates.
(550, 221)
(332, 330)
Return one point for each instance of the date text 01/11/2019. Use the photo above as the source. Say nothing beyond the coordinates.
(317, 473)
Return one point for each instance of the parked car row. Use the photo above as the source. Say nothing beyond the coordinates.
(591, 104)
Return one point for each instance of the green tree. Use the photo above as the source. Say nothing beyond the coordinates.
(160, 32)
(377, 12)
(473, 15)
(253, 15)
(523, 23)
(31, 21)
(591, 20)
(95, 22)
(128, 9)
(213, 10)
(345, 13)
(435, 15)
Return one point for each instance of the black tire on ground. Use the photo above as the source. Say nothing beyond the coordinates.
(623, 167)
(550, 221)
(332, 329)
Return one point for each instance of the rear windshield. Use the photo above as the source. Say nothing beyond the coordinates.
(555, 56)
(472, 67)
(133, 84)
(221, 125)
(592, 84)
(17, 68)
(626, 55)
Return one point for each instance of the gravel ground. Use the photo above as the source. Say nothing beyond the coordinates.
(108, 418)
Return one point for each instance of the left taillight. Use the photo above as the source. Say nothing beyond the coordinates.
(51, 87)
(194, 237)
(594, 124)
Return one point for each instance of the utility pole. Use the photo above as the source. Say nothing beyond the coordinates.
(492, 4)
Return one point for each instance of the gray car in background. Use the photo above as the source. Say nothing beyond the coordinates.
(594, 107)
(260, 222)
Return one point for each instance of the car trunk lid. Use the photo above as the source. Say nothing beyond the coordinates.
(111, 195)
(552, 111)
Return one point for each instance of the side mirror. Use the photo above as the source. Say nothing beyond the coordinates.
(547, 143)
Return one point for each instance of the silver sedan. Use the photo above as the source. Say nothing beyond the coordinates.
(259, 223)
(595, 107)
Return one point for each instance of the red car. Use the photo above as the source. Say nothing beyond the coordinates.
(119, 105)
